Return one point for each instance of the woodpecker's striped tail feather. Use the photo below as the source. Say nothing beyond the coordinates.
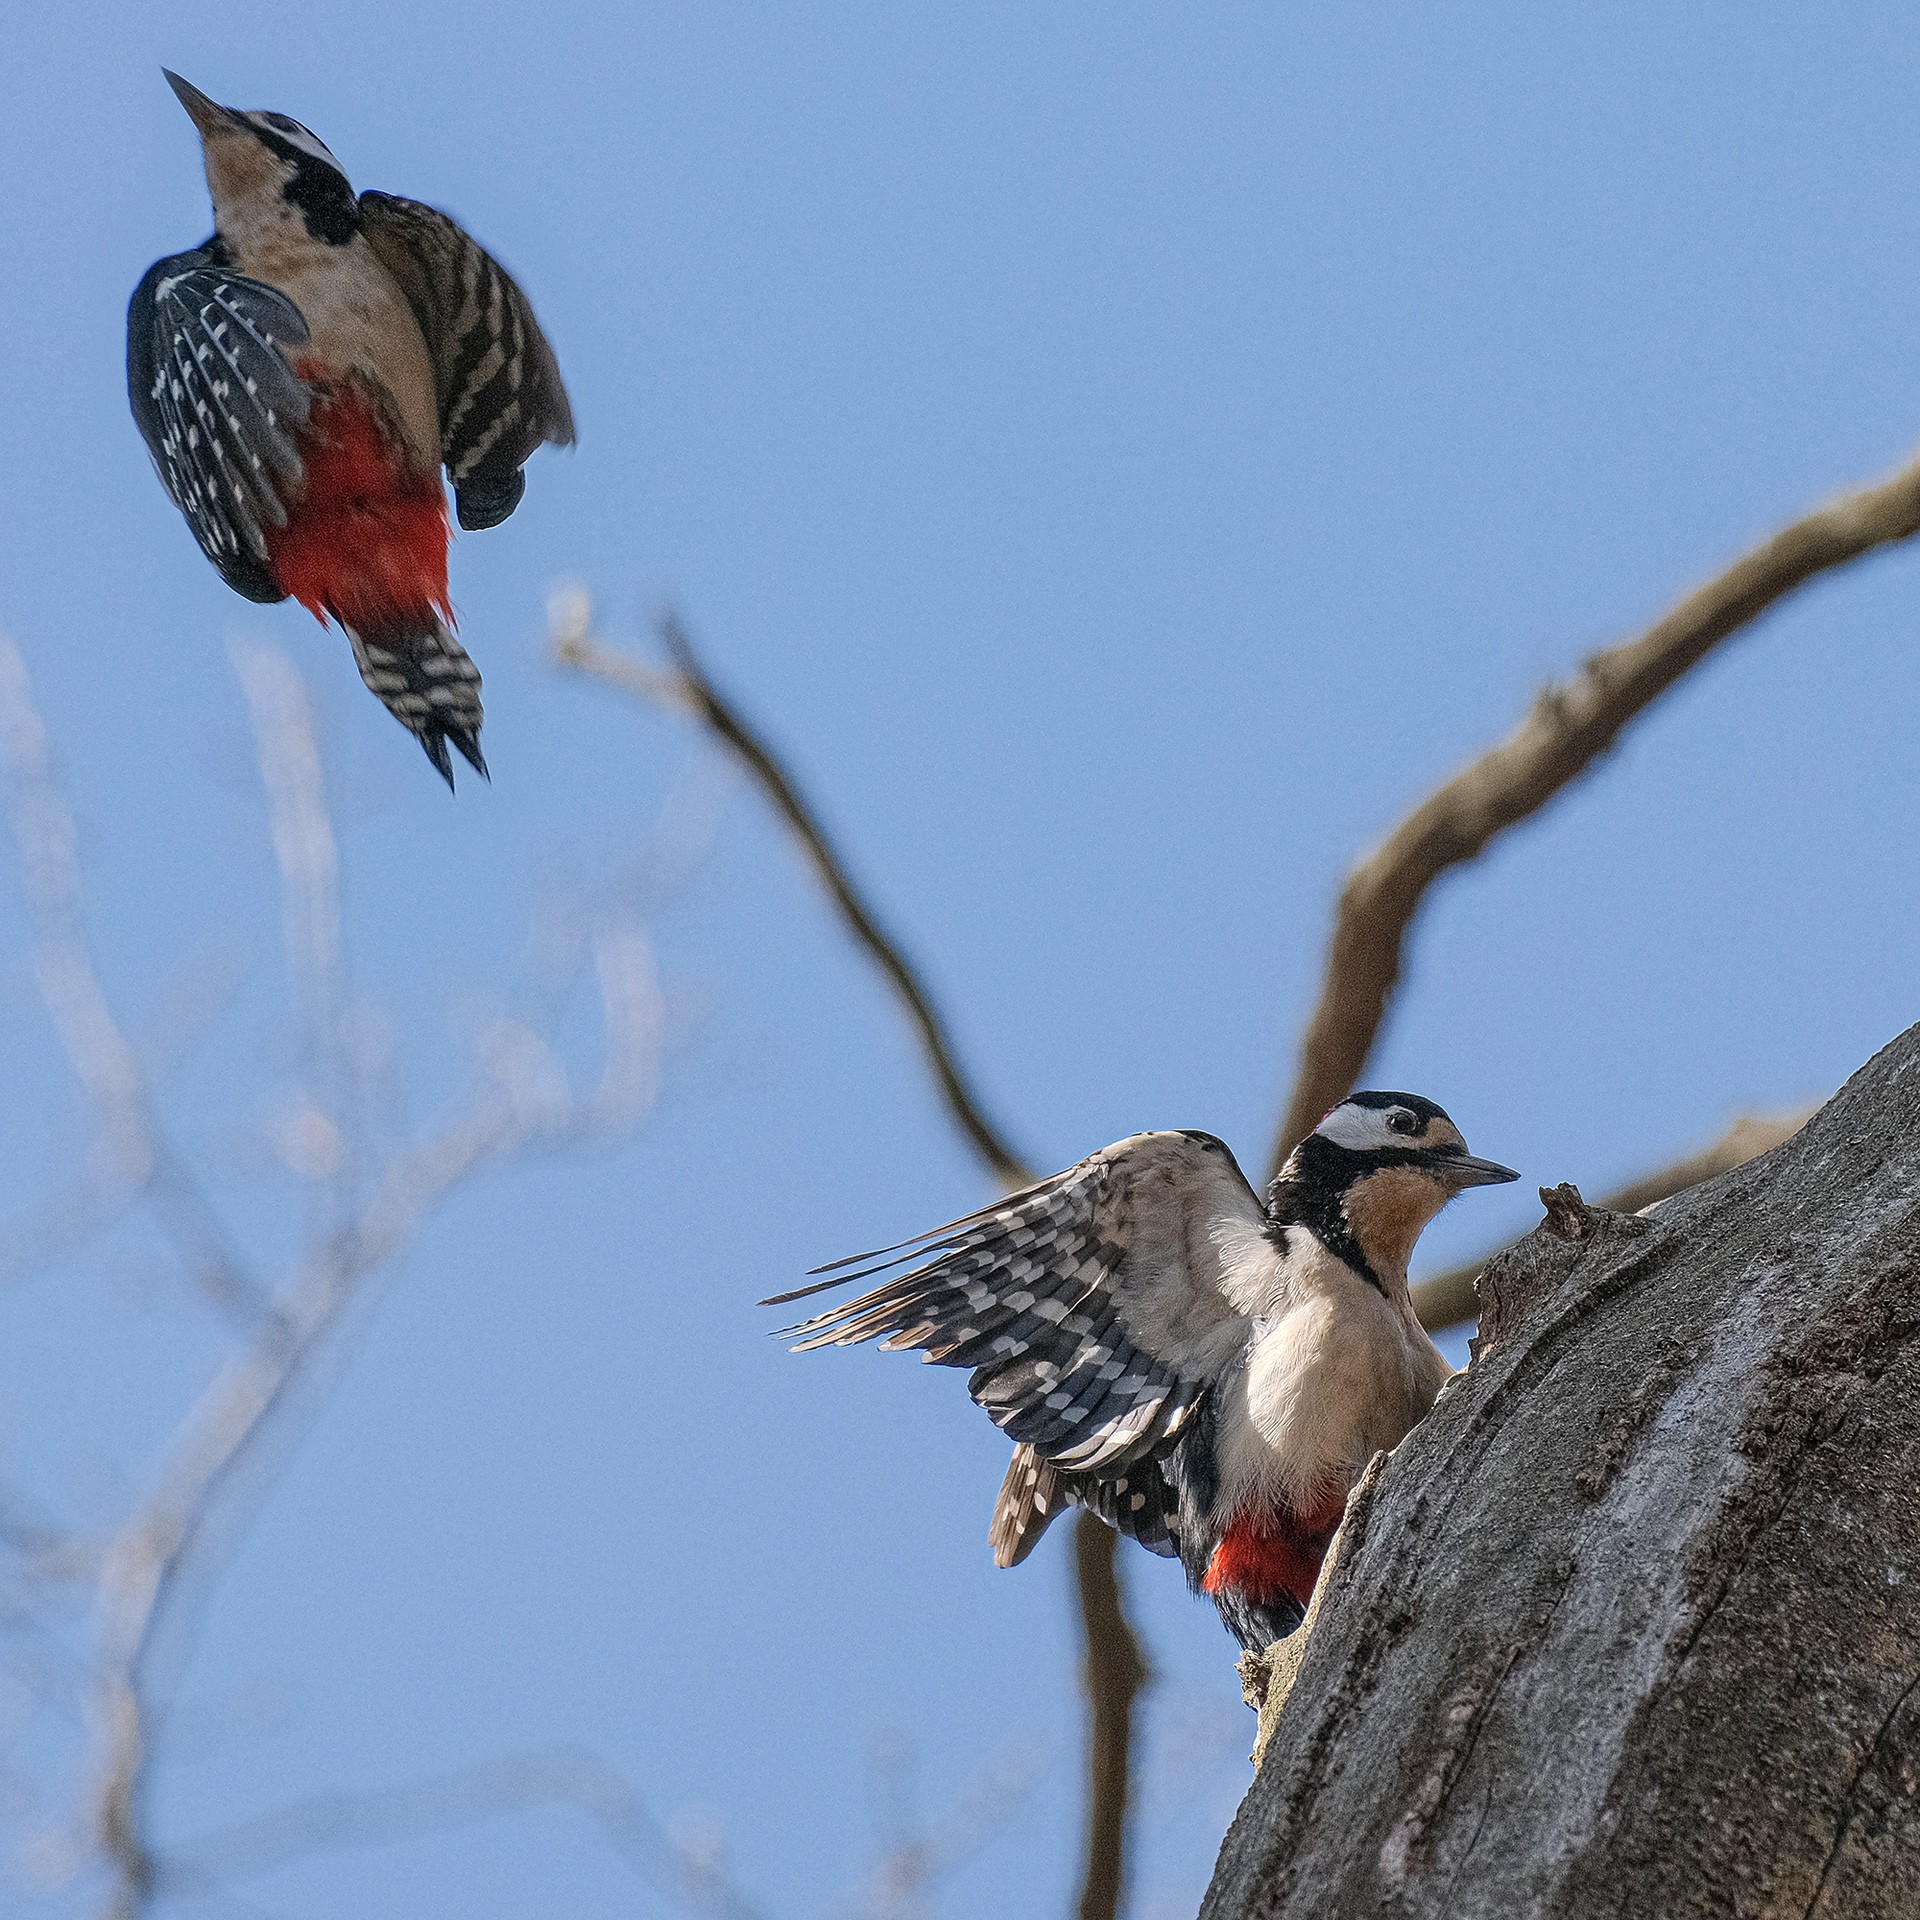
(425, 678)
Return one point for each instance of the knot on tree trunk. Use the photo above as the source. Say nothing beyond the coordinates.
(1523, 1278)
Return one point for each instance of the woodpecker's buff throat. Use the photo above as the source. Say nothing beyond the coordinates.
(301, 378)
(1206, 1373)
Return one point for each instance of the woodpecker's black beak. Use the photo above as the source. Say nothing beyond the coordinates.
(1459, 1169)
(208, 115)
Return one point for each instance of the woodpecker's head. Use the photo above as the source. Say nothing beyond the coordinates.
(1371, 1175)
(265, 171)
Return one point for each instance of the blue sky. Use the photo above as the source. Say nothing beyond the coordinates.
(1124, 456)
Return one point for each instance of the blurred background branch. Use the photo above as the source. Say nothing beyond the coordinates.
(154, 1569)
(685, 1868)
(131, 1157)
(1568, 728)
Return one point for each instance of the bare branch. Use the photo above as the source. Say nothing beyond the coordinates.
(1449, 1299)
(131, 1157)
(509, 1784)
(1568, 728)
(523, 1103)
(686, 688)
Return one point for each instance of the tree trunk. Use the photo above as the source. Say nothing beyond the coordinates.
(1629, 1627)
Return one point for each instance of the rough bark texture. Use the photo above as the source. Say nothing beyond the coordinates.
(1630, 1625)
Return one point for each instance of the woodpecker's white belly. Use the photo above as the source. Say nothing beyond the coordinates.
(1326, 1383)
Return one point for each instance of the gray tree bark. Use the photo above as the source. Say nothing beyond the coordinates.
(1629, 1627)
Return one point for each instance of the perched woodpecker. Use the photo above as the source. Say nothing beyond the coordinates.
(1205, 1373)
(302, 376)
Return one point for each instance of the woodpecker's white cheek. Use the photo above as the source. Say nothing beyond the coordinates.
(1360, 1129)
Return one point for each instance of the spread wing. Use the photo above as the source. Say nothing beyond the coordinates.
(1093, 1311)
(218, 404)
(496, 379)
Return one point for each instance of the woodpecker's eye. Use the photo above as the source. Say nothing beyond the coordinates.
(1401, 1121)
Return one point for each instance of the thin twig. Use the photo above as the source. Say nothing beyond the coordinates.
(686, 687)
(510, 1783)
(1569, 727)
(309, 864)
(1113, 1668)
(918, 1853)
(132, 1157)
(1450, 1300)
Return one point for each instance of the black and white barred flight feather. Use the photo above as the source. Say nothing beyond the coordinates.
(1094, 1310)
(498, 383)
(219, 405)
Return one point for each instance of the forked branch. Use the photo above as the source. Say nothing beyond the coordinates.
(522, 1102)
(1569, 727)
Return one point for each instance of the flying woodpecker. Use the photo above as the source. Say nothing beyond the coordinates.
(301, 377)
(1206, 1373)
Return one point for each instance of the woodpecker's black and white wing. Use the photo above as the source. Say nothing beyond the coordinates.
(218, 404)
(497, 381)
(1095, 1309)
(1138, 1500)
